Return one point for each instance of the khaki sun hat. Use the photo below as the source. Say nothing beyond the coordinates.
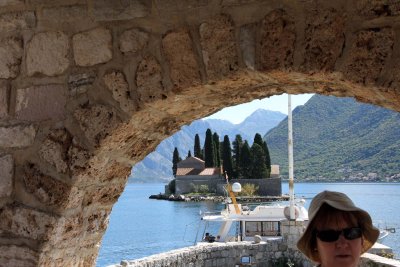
(342, 202)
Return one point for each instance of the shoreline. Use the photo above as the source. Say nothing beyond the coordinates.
(197, 198)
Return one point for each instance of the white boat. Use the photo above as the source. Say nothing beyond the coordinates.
(240, 223)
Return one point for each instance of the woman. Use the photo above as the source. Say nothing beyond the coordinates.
(338, 232)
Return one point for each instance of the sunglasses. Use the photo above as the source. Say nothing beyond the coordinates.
(333, 235)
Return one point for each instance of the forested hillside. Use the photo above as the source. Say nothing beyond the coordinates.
(339, 138)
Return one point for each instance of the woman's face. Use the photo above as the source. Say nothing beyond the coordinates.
(342, 252)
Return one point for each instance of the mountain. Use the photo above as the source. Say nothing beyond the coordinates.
(339, 139)
(157, 166)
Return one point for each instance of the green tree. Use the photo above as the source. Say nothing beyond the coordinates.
(258, 168)
(258, 140)
(209, 150)
(217, 155)
(189, 154)
(227, 156)
(197, 148)
(175, 159)
(237, 148)
(245, 161)
(267, 159)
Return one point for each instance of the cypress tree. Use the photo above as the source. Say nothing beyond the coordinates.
(267, 159)
(209, 150)
(258, 140)
(175, 159)
(258, 168)
(237, 147)
(189, 154)
(217, 155)
(227, 156)
(245, 161)
(197, 148)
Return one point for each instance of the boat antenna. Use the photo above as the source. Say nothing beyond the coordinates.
(290, 154)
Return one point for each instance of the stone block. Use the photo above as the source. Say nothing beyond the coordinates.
(60, 17)
(178, 50)
(17, 136)
(25, 222)
(46, 189)
(4, 99)
(11, 51)
(47, 53)
(13, 22)
(6, 175)
(96, 122)
(133, 41)
(149, 80)
(12, 255)
(97, 221)
(324, 39)
(115, 81)
(218, 47)
(277, 41)
(104, 10)
(54, 153)
(104, 195)
(368, 55)
(43, 102)
(92, 47)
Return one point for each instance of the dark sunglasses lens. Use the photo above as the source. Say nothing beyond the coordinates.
(352, 233)
(332, 235)
(328, 235)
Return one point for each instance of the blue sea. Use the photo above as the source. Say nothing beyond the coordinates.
(140, 226)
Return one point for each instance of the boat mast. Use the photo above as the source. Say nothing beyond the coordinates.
(290, 154)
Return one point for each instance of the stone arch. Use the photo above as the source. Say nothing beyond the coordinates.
(89, 88)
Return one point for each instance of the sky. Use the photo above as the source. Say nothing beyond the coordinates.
(237, 114)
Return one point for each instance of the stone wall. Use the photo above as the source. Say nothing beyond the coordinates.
(89, 88)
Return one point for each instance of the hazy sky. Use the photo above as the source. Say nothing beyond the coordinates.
(236, 114)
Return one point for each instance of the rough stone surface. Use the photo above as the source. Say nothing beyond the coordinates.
(4, 98)
(149, 80)
(80, 83)
(47, 53)
(46, 189)
(104, 10)
(97, 222)
(218, 47)
(75, 17)
(53, 152)
(26, 222)
(104, 195)
(181, 58)
(115, 81)
(78, 158)
(277, 41)
(6, 175)
(96, 121)
(17, 136)
(11, 54)
(10, 2)
(372, 9)
(92, 47)
(324, 40)
(18, 256)
(12, 22)
(368, 55)
(41, 103)
(133, 40)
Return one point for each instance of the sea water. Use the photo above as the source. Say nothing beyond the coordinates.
(140, 226)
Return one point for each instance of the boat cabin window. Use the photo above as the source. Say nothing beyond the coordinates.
(262, 228)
